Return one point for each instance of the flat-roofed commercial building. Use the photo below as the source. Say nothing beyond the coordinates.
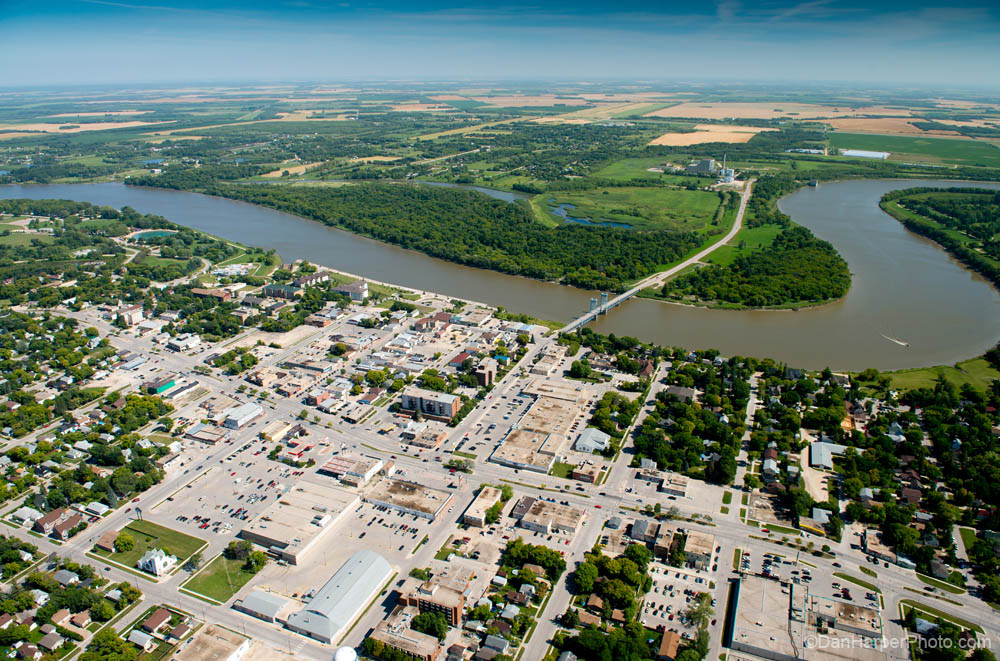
(698, 549)
(352, 469)
(475, 514)
(343, 598)
(774, 620)
(674, 484)
(539, 436)
(241, 415)
(546, 517)
(293, 524)
(262, 605)
(433, 404)
(409, 497)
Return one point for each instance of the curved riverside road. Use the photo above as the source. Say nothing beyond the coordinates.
(660, 276)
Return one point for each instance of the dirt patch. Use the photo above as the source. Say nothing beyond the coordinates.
(769, 111)
(709, 133)
(377, 159)
(883, 125)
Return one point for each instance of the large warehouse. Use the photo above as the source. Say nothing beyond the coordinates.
(410, 498)
(343, 598)
(298, 518)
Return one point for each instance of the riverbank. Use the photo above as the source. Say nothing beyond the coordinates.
(794, 306)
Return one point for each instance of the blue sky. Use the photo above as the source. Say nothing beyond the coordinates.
(133, 41)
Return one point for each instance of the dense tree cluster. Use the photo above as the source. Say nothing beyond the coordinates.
(796, 268)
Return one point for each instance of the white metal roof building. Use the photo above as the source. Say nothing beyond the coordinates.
(342, 598)
(238, 416)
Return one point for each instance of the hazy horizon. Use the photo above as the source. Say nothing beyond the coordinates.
(135, 42)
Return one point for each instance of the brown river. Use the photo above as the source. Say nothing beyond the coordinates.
(905, 289)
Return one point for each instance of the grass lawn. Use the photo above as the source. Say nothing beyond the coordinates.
(737, 554)
(868, 572)
(745, 500)
(149, 535)
(466, 455)
(24, 239)
(940, 585)
(968, 537)
(924, 149)
(724, 510)
(907, 604)
(219, 579)
(976, 372)
(746, 240)
(857, 581)
(562, 470)
(640, 208)
(727, 497)
(162, 261)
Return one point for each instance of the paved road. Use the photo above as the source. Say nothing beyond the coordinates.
(658, 278)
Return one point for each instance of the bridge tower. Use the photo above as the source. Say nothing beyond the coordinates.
(604, 302)
(593, 304)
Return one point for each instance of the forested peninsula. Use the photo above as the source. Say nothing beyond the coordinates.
(469, 228)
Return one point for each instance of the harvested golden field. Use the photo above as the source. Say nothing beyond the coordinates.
(708, 133)
(516, 101)
(980, 123)
(15, 134)
(448, 97)
(291, 169)
(884, 125)
(54, 128)
(769, 111)
(377, 159)
(645, 97)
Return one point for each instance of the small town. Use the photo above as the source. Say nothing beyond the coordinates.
(261, 460)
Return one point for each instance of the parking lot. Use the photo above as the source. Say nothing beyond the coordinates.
(672, 594)
(781, 568)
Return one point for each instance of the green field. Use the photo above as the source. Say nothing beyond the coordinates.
(148, 535)
(976, 372)
(641, 208)
(746, 240)
(24, 239)
(920, 149)
(219, 580)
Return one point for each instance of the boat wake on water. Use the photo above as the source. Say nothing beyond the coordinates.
(892, 339)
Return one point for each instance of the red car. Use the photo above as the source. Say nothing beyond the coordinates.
(598, 507)
(135, 500)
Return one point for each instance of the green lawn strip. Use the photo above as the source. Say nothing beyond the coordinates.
(743, 513)
(737, 555)
(419, 544)
(869, 572)
(745, 500)
(724, 510)
(968, 537)
(930, 610)
(857, 581)
(782, 529)
(219, 580)
(939, 584)
(727, 497)
(466, 455)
